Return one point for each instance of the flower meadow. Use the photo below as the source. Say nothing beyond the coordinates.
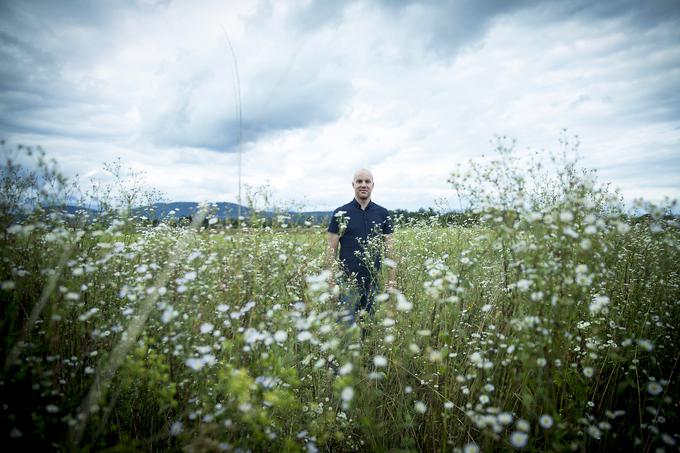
(547, 322)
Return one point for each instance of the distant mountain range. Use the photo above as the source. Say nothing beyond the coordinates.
(230, 210)
(225, 210)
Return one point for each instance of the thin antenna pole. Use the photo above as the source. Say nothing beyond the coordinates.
(239, 112)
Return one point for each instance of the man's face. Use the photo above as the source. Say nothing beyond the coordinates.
(363, 185)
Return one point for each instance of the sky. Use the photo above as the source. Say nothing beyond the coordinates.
(407, 89)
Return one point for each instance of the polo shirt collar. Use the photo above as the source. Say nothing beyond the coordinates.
(356, 204)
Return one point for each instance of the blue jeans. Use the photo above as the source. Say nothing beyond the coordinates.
(354, 299)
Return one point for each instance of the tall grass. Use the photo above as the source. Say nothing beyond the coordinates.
(550, 324)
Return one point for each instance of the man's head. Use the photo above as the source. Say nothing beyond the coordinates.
(362, 184)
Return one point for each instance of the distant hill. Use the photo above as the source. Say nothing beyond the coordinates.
(226, 210)
(189, 208)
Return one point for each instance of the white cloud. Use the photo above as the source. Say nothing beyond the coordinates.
(408, 90)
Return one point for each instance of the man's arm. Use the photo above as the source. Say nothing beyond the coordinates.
(392, 275)
(332, 249)
(331, 254)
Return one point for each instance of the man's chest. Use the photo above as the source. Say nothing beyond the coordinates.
(364, 224)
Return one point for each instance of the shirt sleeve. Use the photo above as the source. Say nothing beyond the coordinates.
(333, 226)
(388, 228)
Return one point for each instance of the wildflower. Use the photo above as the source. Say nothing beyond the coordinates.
(207, 327)
(523, 425)
(480, 362)
(668, 439)
(320, 278)
(347, 394)
(566, 216)
(176, 429)
(523, 285)
(420, 407)
(403, 304)
(535, 216)
(568, 231)
(519, 439)
(546, 421)
(388, 322)
(382, 297)
(245, 406)
(52, 408)
(536, 296)
(280, 336)
(622, 227)
(8, 285)
(380, 361)
(448, 405)
(88, 314)
(194, 363)
(304, 336)
(645, 344)
(599, 303)
(594, 432)
(435, 356)
(588, 372)
(345, 369)
(471, 448)
(169, 314)
(504, 418)
(252, 335)
(654, 388)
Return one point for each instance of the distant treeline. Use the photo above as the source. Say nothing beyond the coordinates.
(401, 217)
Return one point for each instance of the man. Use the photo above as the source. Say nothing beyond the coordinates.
(362, 230)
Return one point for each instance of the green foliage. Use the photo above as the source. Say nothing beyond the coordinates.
(547, 320)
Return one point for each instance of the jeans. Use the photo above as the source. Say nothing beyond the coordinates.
(354, 299)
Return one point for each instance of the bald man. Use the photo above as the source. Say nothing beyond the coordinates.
(361, 230)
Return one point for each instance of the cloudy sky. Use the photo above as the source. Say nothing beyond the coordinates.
(406, 88)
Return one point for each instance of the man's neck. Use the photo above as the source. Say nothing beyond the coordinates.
(363, 203)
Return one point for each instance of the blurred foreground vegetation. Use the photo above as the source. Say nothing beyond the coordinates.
(547, 321)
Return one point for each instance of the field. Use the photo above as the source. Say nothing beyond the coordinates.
(546, 325)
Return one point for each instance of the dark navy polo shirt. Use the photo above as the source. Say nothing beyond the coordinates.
(361, 225)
